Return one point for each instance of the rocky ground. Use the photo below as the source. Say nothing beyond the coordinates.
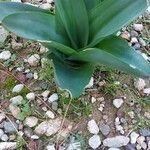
(112, 114)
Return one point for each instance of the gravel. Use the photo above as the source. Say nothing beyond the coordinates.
(138, 27)
(15, 111)
(8, 145)
(1, 133)
(50, 114)
(145, 132)
(139, 84)
(3, 34)
(2, 117)
(4, 138)
(133, 137)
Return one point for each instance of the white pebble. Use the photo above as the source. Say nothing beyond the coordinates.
(133, 137)
(45, 93)
(4, 137)
(18, 88)
(34, 137)
(50, 114)
(138, 27)
(5, 55)
(92, 127)
(1, 133)
(53, 97)
(146, 91)
(94, 141)
(93, 99)
(118, 102)
(30, 96)
(17, 100)
(34, 60)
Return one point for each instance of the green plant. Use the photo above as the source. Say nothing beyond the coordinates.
(79, 36)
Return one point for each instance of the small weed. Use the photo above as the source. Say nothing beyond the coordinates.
(10, 82)
(142, 122)
(21, 143)
(25, 110)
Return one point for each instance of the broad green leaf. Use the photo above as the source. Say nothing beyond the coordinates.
(8, 8)
(90, 4)
(38, 27)
(73, 79)
(75, 19)
(115, 52)
(110, 15)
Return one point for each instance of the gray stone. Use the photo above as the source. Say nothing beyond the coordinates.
(94, 141)
(145, 132)
(133, 137)
(15, 111)
(1, 133)
(55, 106)
(134, 33)
(29, 75)
(28, 132)
(17, 100)
(139, 84)
(116, 142)
(130, 147)
(138, 27)
(105, 129)
(118, 102)
(10, 127)
(30, 96)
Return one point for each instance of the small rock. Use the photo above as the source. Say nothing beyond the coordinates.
(142, 42)
(3, 34)
(55, 106)
(53, 97)
(34, 137)
(5, 55)
(139, 84)
(138, 27)
(118, 102)
(4, 138)
(105, 129)
(16, 46)
(48, 127)
(140, 140)
(8, 145)
(28, 132)
(50, 114)
(131, 114)
(147, 115)
(146, 91)
(91, 83)
(29, 75)
(46, 6)
(18, 88)
(136, 46)
(2, 117)
(10, 127)
(50, 147)
(145, 132)
(45, 93)
(1, 133)
(134, 40)
(35, 75)
(116, 142)
(125, 35)
(94, 141)
(17, 100)
(133, 137)
(113, 149)
(34, 60)
(92, 127)
(15, 111)
(134, 33)
(12, 137)
(43, 49)
(93, 99)
(30, 96)
(130, 147)
(31, 121)
(144, 146)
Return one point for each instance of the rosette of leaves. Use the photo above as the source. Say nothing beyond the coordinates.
(79, 35)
